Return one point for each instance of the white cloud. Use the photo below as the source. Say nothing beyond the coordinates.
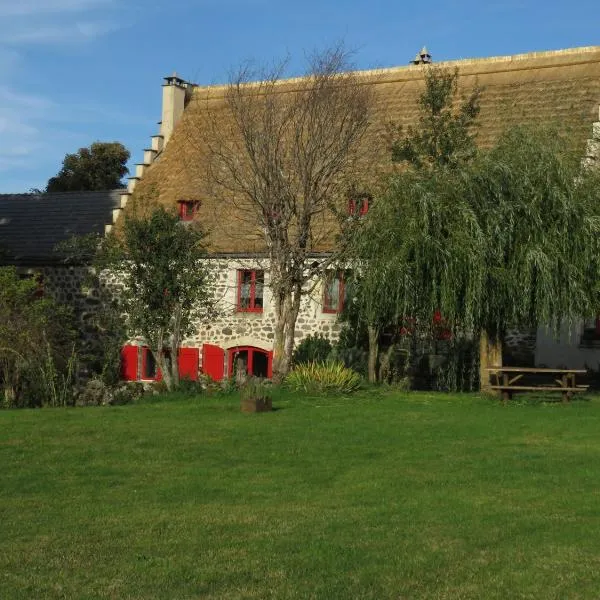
(59, 34)
(26, 8)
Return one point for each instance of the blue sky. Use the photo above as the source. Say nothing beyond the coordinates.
(76, 71)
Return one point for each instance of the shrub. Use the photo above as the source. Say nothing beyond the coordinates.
(314, 348)
(190, 386)
(96, 393)
(322, 377)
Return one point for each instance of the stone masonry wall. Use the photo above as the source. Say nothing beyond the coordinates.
(233, 328)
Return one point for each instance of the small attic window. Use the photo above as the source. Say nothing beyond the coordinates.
(358, 205)
(188, 209)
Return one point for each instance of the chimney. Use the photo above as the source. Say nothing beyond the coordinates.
(422, 58)
(175, 92)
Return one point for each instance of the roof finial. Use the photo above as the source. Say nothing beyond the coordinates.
(422, 58)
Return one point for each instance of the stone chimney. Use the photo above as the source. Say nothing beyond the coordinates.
(175, 92)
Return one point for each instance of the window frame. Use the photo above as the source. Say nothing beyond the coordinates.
(252, 308)
(188, 209)
(327, 304)
(358, 206)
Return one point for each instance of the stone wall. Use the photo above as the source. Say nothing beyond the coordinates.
(233, 328)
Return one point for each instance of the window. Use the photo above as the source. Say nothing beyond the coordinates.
(149, 370)
(250, 361)
(590, 337)
(333, 296)
(251, 284)
(188, 209)
(359, 205)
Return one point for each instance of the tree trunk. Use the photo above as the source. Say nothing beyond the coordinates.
(165, 368)
(384, 363)
(10, 395)
(287, 306)
(373, 353)
(490, 355)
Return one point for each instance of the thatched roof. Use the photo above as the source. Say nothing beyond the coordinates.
(558, 87)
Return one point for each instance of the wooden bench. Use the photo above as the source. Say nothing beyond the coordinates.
(564, 381)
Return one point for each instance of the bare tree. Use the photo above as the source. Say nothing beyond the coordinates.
(284, 152)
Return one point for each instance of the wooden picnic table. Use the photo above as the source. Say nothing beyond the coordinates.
(564, 381)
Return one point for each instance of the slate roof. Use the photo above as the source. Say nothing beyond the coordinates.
(559, 88)
(31, 225)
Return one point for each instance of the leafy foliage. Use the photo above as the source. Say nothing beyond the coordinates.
(166, 286)
(445, 135)
(313, 348)
(97, 168)
(504, 238)
(255, 388)
(323, 377)
(36, 344)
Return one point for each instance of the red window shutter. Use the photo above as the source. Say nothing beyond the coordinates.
(129, 363)
(188, 359)
(213, 359)
(364, 206)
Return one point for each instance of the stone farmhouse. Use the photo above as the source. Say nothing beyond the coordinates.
(557, 87)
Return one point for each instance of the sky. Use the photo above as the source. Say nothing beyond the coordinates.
(77, 71)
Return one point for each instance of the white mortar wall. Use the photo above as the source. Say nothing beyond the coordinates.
(232, 328)
(565, 351)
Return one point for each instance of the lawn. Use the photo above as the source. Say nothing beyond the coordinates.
(383, 495)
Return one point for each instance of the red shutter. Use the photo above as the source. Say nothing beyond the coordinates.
(270, 364)
(188, 359)
(129, 363)
(213, 359)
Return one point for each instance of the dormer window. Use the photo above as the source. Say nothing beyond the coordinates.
(188, 209)
(358, 206)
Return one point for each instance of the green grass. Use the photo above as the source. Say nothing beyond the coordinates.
(382, 495)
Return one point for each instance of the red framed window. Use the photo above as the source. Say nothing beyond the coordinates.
(251, 284)
(139, 364)
(251, 361)
(188, 209)
(359, 205)
(150, 370)
(333, 293)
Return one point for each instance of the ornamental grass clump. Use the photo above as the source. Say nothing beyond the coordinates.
(324, 377)
(255, 395)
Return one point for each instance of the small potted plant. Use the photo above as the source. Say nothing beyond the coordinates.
(255, 396)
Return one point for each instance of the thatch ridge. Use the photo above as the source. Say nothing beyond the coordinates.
(410, 72)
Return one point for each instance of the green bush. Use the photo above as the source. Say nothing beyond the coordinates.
(323, 377)
(314, 348)
(190, 386)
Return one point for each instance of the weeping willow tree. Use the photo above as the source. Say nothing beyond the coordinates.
(507, 239)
